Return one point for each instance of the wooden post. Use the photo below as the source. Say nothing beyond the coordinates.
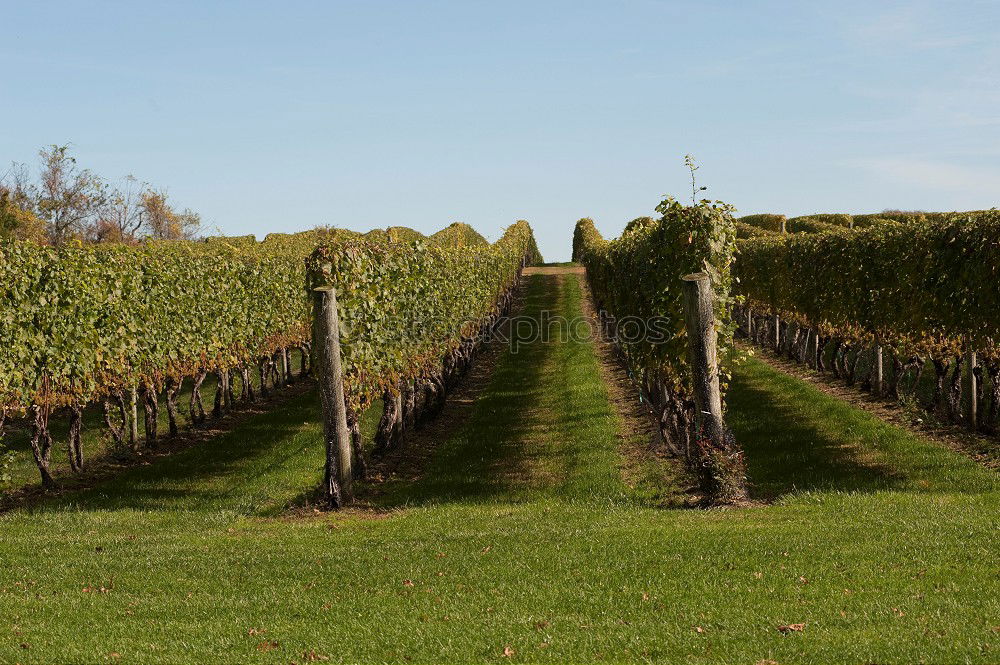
(973, 392)
(777, 334)
(699, 316)
(877, 382)
(337, 478)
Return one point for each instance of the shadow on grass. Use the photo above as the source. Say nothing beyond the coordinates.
(787, 447)
(95, 437)
(263, 462)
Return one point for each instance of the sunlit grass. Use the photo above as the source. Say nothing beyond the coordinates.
(884, 545)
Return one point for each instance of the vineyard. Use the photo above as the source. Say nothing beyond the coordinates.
(395, 447)
(875, 300)
(123, 325)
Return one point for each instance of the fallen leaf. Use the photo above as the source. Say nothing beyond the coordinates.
(758, 575)
(311, 656)
(508, 652)
(407, 582)
(541, 625)
(699, 629)
(792, 628)
(256, 631)
(803, 580)
(766, 661)
(266, 646)
(487, 549)
(645, 596)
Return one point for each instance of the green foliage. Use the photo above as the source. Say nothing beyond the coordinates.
(639, 275)
(810, 225)
(404, 234)
(747, 231)
(836, 219)
(639, 223)
(876, 219)
(766, 221)
(457, 234)
(235, 242)
(395, 234)
(586, 237)
(922, 286)
(78, 322)
(81, 321)
(403, 307)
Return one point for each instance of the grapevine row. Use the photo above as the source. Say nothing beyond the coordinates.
(637, 278)
(128, 325)
(923, 291)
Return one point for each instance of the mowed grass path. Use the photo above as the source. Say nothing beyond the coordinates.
(522, 538)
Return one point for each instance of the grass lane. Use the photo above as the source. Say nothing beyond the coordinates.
(543, 426)
(523, 548)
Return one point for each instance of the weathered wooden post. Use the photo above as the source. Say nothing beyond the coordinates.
(973, 391)
(777, 334)
(699, 317)
(878, 378)
(337, 479)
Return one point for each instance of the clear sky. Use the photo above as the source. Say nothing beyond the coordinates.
(279, 116)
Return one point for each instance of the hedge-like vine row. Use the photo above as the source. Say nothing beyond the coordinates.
(413, 316)
(637, 277)
(127, 325)
(923, 291)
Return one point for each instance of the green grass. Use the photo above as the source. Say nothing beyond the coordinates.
(542, 427)
(884, 545)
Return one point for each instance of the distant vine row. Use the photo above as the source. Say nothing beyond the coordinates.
(922, 293)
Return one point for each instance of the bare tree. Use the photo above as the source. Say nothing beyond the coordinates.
(68, 199)
(121, 217)
(70, 202)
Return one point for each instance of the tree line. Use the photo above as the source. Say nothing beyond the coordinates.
(66, 203)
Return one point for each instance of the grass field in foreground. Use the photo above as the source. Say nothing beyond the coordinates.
(885, 546)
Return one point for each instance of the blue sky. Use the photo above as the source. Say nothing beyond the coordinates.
(268, 116)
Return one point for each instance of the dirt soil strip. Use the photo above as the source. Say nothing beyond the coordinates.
(982, 449)
(103, 467)
(640, 443)
(554, 270)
